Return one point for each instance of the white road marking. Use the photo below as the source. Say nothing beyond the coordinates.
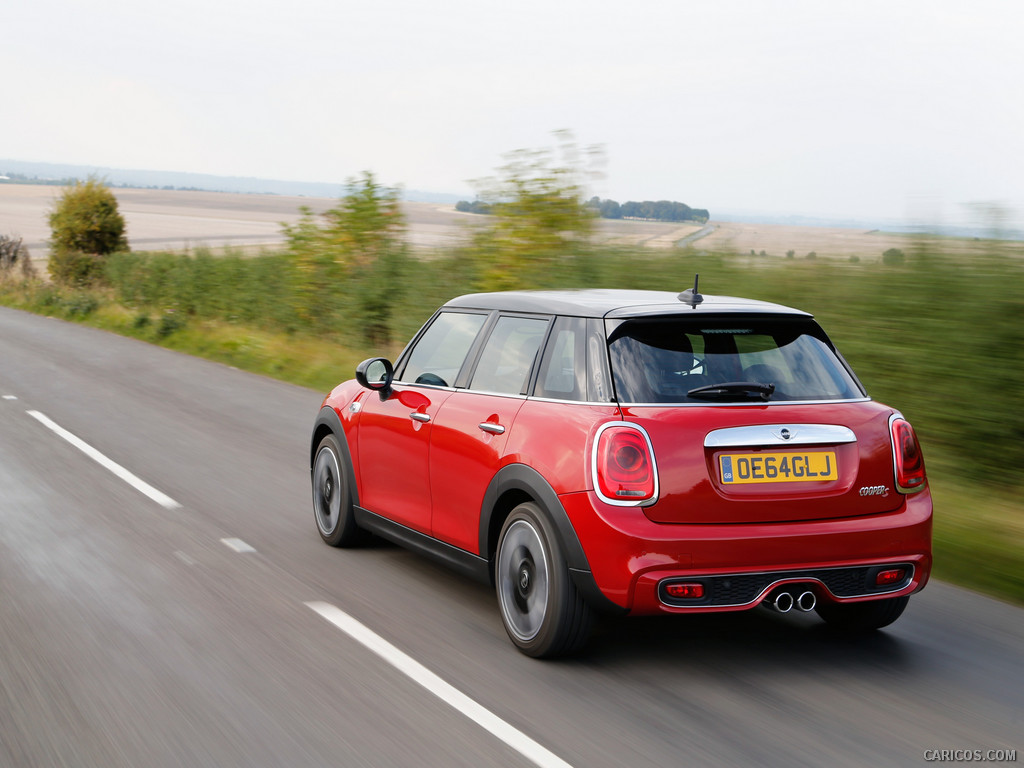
(135, 482)
(455, 698)
(10, 397)
(238, 545)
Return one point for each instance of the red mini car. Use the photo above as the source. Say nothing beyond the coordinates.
(631, 452)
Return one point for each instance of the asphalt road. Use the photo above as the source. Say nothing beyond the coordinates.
(141, 632)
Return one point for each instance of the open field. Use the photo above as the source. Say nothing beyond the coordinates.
(778, 239)
(185, 220)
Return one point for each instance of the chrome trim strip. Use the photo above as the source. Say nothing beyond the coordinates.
(783, 579)
(779, 434)
(608, 403)
(489, 393)
(421, 385)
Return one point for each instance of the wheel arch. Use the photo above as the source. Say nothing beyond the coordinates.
(518, 483)
(328, 423)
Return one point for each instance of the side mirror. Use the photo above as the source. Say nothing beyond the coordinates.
(377, 373)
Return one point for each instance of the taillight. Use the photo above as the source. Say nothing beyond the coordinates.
(624, 465)
(909, 461)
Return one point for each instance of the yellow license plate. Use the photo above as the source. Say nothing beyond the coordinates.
(739, 468)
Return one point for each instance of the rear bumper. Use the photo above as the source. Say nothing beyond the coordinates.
(630, 557)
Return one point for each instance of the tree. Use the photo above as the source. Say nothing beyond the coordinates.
(85, 227)
(351, 267)
(541, 218)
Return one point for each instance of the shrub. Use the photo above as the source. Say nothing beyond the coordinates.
(85, 227)
(893, 257)
(80, 304)
(75, 268)
(13, 253)
(169, 323)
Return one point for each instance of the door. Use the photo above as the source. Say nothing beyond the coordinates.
(394, 434)
(469, 438)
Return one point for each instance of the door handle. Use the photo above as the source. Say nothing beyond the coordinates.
(494, 429)
(421, 417)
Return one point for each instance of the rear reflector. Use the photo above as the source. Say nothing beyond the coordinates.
(891, 576)
(685, 591)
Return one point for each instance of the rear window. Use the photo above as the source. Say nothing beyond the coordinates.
(740, 359)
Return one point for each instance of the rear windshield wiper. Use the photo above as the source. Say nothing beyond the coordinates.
(764, 391)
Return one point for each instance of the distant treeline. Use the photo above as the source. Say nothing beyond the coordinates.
(477, 206)
(20, 178)
(660, 210)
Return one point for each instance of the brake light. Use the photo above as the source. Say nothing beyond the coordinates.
(909, 461)
(624, 465)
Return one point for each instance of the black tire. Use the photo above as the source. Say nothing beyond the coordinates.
(541, 609)
(332, 497)
(863, 617)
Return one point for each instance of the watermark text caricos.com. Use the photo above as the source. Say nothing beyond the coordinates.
(970, 755)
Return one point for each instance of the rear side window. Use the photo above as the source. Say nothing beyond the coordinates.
(441, 350)
(668, 360)
(563, 369)
(508, 355)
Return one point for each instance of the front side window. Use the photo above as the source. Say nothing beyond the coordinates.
(440, 352)
(734, 360)
(508, 355)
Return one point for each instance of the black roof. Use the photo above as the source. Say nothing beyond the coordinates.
(608, 302)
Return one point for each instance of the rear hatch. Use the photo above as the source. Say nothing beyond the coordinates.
(753, 417)
(770, 463)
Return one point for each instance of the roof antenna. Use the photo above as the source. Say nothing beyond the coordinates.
(690, 295)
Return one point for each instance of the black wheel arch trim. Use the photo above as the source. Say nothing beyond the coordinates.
(327, 421)
(520, 477)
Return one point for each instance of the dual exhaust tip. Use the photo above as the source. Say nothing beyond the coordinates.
(784, 601)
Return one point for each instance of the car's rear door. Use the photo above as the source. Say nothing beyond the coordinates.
(471, 430)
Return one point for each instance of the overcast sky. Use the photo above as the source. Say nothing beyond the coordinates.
(900, 110)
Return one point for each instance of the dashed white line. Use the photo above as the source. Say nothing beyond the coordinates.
(135, 482)
(10, 397)
(238, 545)
(455, 698)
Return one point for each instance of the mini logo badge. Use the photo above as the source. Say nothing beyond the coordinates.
(785, 433)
